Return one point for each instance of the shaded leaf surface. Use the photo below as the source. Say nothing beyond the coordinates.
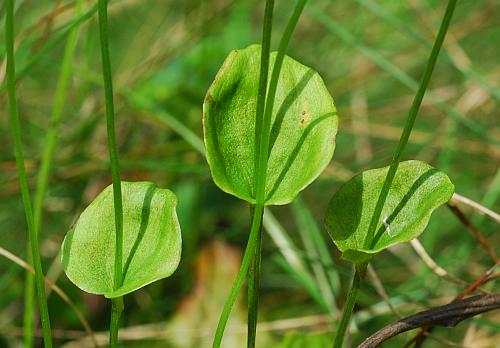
(151, 240)
(304, 125)
(416, 191)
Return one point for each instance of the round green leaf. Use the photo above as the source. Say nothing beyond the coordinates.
(416, 191)
(151, 240)
(304, 125)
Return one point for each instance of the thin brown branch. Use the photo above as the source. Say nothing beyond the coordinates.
(424, 332)
(486, 277)
(456, 198)
(438, 270)
(17, 260)
(447, 316)
(494, 276)
(474, 230)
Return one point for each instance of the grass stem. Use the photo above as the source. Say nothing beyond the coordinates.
(240, 277)
(29, 303)
(253, 290)
(23, 183)
(359, 275)
(117, 303)
(45, 167)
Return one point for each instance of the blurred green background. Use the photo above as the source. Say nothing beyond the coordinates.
(165, 54)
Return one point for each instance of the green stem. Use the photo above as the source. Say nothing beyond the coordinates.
(45, 168)
(116, 312)
(253, 290)
(117, 306)
(263, 127)
(410, 121)
(254, 274)
(262, 132)
(29, 303)
(240, 277)
(23, 183)
(273, 86)
(359, 275)
(263, 77)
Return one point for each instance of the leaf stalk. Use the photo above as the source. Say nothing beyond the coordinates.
(405, 135)
(240, 277)
(410, 121)
(117, 303)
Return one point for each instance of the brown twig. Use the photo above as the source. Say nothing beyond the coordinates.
(486, 277)
(474, 230)
(447, 316)
(438, 270)
(494, 276)
(456, 198)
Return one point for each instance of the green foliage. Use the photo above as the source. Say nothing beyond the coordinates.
(310, 340)
(417, 190)
(304, 125)
(151, 240)
(176, 52)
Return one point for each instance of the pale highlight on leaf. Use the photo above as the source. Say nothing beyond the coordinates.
(417, 190)
(302, 139)
(151, 246)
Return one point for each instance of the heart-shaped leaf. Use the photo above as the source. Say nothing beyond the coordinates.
(302, 139)
(151, 240)
(416, 191)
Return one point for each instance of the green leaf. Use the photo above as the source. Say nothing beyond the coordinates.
(151, 240)
(417, 190)
(304, 125)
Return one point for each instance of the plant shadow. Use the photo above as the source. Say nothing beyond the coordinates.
(145, 213)
(347, 201)
(289, 100)
(413, 189)
(296, 150)
(285, 106)
(352, 204)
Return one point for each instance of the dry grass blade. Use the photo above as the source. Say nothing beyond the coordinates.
(17, 260)
(438, 270)
(476, 207)
(158, 332)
